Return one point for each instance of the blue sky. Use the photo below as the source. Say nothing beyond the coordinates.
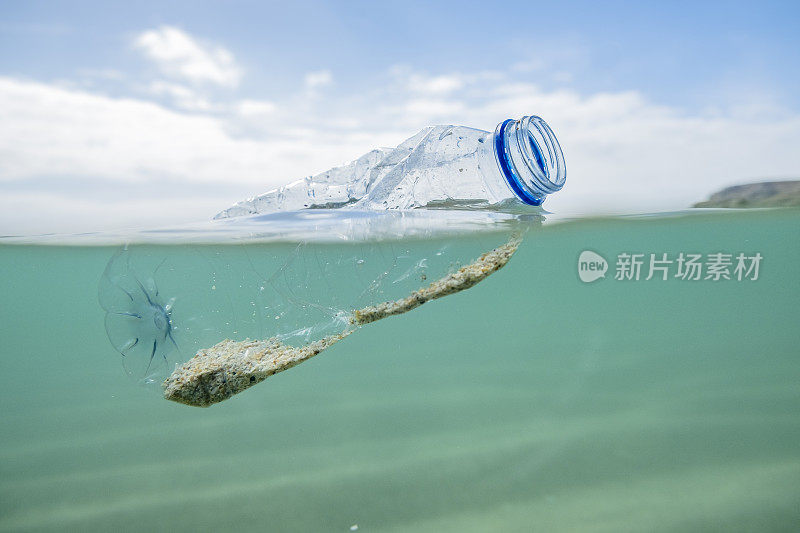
(681, 53)
(115, 112)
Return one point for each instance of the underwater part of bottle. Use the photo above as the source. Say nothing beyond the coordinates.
(441, 166)
(164, 304)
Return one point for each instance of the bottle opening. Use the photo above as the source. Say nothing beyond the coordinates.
(530, 158)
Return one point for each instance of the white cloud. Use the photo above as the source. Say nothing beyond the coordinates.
(180, 55)
(424, 110)
(623, 152)
(318, 79)
(182, 96)
(54, 131)
(65, 135)
(255, 108)
(435, 85)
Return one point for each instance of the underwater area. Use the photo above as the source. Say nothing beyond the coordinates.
(535, 400)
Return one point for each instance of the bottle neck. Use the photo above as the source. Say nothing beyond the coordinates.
(530, 158)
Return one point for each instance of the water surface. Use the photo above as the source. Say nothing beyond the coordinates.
(531, 401)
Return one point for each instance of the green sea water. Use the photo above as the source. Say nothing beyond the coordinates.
(530, 402)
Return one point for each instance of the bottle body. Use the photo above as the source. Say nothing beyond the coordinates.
(449, 166)
(441, 166)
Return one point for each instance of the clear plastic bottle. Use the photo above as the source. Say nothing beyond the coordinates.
(441, 166)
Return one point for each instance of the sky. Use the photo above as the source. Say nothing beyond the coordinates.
(117, 115)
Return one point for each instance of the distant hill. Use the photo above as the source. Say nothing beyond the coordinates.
(762, 194)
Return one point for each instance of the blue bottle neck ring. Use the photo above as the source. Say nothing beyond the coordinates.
(530, 158)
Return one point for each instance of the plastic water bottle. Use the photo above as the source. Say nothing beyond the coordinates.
(441, 166)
